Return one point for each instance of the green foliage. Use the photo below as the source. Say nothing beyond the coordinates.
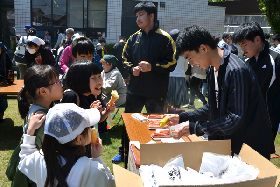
(109, 48)
(271, 9)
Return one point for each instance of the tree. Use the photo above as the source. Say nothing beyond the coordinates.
(271, 9)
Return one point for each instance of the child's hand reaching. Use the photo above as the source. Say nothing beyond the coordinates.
(111, 107)
(96, 151)
(35, 122)
(96, 104)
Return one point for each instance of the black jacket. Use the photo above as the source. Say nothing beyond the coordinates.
(117, 52)
(47, 57)
(241, 113)
(158, 48)
(264, 71)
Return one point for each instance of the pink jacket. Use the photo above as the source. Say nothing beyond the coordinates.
(66, 55)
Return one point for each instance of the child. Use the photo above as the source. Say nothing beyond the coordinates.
(84, 79)
(81, 48)
(43, 86)
(61, 162)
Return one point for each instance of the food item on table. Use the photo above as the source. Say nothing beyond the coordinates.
(164, 121)
(161, 134)
(114, 97)
(94, 138)
(154, 124)
(155, 116)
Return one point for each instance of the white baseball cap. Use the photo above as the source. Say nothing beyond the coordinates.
(66, 121)
(35, 40)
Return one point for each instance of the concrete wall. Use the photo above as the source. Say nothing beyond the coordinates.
(22, 15)
(176, 14)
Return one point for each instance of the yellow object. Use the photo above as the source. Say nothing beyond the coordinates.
(164, 121)
(114, 97)
(94, 132)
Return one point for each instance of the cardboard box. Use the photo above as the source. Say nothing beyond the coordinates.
(160, 154)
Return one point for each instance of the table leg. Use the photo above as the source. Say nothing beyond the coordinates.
(126, 145)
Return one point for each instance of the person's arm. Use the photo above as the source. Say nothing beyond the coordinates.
(29, 164)
(66, 55)
(58, 41)
(50, 59)
(235, 111)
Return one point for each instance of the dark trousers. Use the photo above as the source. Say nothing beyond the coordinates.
(195, 82)
(135, 104)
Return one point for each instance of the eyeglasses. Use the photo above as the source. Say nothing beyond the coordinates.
(56, 83)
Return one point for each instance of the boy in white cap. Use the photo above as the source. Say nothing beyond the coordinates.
(37, 53)
(61, 161)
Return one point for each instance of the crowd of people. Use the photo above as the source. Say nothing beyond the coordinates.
(69, 93)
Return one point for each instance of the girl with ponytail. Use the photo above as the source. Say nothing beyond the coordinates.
(41, 87)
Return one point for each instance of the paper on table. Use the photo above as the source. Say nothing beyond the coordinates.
(139, 117)
(136, 143)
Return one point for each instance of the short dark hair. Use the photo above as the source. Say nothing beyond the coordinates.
(32, 32)
(101, 39)
(225, 35)
(276, 37)
(216, 39)
(248, 31)
(148, 6)
(82, 45)
(77, 77)
(192, 37)
(266, 36)
(122, 38)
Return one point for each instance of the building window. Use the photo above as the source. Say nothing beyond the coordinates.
(59, 13)
(41, 13)
(75, 13)
(97, 13)
(79, 14)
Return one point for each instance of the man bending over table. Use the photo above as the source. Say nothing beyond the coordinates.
(236, 109)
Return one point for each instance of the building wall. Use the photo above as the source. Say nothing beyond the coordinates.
(114, 17)
(176, 14)
(22, 15)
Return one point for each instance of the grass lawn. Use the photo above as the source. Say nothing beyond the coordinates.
(11, 132)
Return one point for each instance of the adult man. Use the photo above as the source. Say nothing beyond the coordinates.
(223, 43)
(117, 52)
(69, 35)
(266, 65)
(150, 55)
(235, 109)
(276, 41)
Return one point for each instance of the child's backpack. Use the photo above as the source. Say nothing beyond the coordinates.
(97, 59)
(78, 99)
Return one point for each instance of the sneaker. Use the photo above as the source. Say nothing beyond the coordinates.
(186, 106)
(117, 159)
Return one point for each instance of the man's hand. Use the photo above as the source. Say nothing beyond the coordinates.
(145, 66)
(136, 71)
(184, 131)
(173, 120)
